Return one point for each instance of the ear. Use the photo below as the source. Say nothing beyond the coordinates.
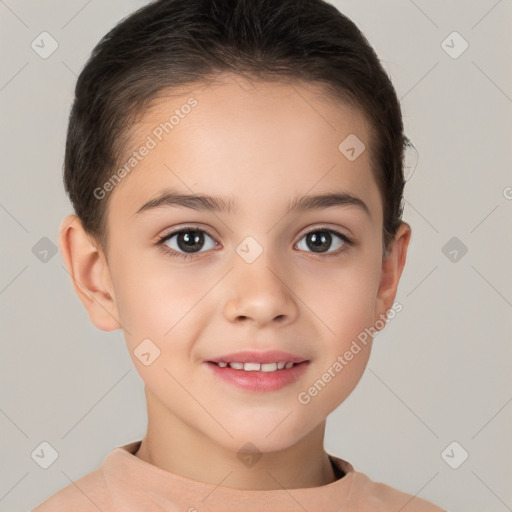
(392, 266)
(90, 274)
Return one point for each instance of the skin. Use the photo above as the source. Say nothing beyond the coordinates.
(264, 144)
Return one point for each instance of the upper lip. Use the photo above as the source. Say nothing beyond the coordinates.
(254, 356)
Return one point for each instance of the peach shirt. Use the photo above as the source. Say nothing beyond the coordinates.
(125, 483)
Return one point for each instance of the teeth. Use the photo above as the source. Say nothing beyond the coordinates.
(251, 367)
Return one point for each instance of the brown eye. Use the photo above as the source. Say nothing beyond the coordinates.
(186, 241)
(321, 240)
(190, 241)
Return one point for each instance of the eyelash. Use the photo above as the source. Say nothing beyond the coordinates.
(180, 255)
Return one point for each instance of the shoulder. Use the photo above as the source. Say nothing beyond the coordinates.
(377, 496)
(87, 494)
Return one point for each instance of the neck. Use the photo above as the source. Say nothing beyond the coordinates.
(174, 446)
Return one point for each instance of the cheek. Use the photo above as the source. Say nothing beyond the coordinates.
(151, 299)
(344, 298)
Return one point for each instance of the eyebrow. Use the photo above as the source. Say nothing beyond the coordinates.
(216, 204)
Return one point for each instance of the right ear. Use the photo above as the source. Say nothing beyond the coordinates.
(90, 274)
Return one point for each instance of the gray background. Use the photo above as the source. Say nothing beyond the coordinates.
(440, 372)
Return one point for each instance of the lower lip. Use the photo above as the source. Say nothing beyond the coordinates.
(258, 380)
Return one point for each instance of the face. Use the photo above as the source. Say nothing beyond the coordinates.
(257, 276)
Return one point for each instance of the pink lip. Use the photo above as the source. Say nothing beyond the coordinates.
(253, 356)
(258, 380)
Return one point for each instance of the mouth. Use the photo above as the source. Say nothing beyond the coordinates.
(258, 367)
(258, 377)
(263, 358)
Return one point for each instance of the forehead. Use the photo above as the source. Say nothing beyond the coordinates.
(248, 140)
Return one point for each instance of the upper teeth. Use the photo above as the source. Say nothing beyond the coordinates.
(264, 367)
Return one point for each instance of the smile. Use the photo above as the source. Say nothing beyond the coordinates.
(258, 377)
(263, 367)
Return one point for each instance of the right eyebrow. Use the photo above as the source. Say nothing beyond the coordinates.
(200, 202)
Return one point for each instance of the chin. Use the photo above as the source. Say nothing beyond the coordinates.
(264, 436)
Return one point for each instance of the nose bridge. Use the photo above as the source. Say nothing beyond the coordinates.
(258, 288)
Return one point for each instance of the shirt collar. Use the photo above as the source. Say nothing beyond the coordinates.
(136, 485)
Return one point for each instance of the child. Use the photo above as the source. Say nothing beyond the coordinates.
(235, 167)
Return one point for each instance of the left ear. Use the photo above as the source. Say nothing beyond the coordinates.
(392, 267)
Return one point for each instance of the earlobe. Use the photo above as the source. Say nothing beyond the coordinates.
(392, 267)
(89, 273)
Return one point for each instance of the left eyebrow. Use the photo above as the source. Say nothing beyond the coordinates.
(202, 202)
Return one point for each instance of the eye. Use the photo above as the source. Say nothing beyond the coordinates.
(322, 238)
(186, 242)
(189, 240)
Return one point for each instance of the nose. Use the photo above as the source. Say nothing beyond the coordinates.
(260, 293)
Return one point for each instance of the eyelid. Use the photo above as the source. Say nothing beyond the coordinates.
(186, 227)
(327, 227)
(201, 227)
(177, 255)
(348, 241)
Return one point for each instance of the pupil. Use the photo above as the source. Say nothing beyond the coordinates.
(188, 240)
(316, 241)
